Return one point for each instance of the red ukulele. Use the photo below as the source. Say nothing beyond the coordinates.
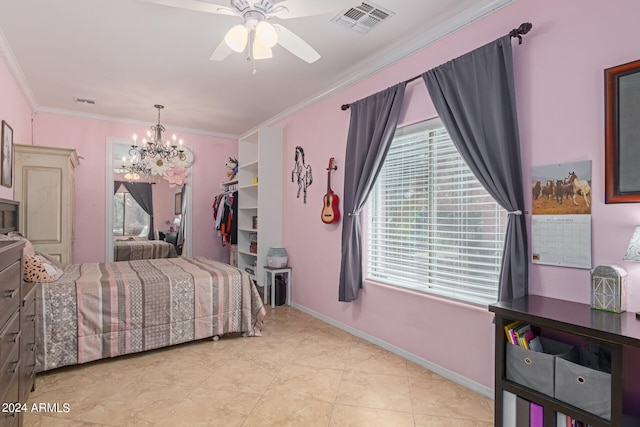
(330, 212)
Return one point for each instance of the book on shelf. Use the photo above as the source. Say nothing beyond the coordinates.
(508, 329)
(523, 412)
(522, 335)
(536, 415)
(508, 408)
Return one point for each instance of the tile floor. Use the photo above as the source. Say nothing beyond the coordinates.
(301, 372)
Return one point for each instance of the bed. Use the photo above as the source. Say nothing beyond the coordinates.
(98, 310)
(126, 250)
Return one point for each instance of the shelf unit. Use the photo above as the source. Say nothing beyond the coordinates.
(616, 329)
(229, 187)
(260, 161)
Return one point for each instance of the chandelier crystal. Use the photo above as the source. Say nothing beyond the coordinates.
(154, 147)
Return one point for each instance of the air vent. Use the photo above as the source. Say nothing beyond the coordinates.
(84, 101)
(362, 18)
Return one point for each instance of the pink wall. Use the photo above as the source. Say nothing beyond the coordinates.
(15, 110)
(88, 137)
(560, 93)
(559, 85)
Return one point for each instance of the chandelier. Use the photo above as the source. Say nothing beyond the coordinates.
(134, 168)
(154, 147)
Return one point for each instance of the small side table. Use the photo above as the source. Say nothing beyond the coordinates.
(270, 285)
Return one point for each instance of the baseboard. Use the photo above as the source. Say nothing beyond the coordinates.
(453, 376)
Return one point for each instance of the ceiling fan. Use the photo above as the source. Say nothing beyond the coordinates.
(256, 35)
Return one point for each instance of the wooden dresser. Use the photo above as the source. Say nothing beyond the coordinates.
(11, 333)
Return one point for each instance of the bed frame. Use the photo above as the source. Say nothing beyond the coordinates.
(9, 215)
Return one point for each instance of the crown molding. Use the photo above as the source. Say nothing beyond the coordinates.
(392, 55)
(119, 120)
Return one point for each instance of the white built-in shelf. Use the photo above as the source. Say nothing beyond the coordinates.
(249, 165)
(247, 253)
(244, 187)
(264, 202)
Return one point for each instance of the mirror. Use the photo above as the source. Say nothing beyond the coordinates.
(622, 133)
(166, 221)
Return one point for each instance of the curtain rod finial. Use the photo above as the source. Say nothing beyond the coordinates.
(523, 29)
(345, 107)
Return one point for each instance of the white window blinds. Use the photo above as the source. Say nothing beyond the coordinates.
(433, 227)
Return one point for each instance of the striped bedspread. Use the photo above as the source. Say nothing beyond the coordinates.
(126, 250)
(104, 310)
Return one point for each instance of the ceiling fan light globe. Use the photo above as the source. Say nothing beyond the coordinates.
(236, 38)
(266, 33)
(260, 50)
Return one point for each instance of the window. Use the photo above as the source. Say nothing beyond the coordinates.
(129, 219)
(433, 227)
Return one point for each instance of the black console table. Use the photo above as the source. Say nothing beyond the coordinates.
(617, 330)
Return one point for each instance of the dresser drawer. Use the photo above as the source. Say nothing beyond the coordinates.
(9, 290)
(28, 319)
(8, 419)
(28, 344)
(10, 338)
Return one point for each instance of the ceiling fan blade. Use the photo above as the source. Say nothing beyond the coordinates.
(294, 44)
(221, 52)
(298, 9)
(196, 5)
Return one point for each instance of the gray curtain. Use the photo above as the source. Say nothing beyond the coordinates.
(371, 128)
(182, 225)
(475, 98)
(116, 185)
(142, 193)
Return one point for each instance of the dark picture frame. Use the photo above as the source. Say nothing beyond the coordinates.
(6, 165)
(178, 204)
(622, 133)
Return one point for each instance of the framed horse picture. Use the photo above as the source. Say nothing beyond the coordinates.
(622, 133)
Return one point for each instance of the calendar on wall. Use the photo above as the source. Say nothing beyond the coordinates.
(561, 220)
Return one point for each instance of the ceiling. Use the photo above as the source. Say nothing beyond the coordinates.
(127, 55)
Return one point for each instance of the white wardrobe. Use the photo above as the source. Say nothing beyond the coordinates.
(43, 185)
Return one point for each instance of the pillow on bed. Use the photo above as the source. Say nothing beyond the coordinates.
(50, 260)
(38, 269)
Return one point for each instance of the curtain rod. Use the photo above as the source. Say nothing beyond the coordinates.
(516, 32)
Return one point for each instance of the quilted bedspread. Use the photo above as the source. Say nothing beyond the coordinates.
(99, 310)
(125, 250)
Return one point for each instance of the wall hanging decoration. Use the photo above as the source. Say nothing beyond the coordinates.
(330, 212)
(301, 173)
(622, 106)
(561, 220)
(7, 154)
